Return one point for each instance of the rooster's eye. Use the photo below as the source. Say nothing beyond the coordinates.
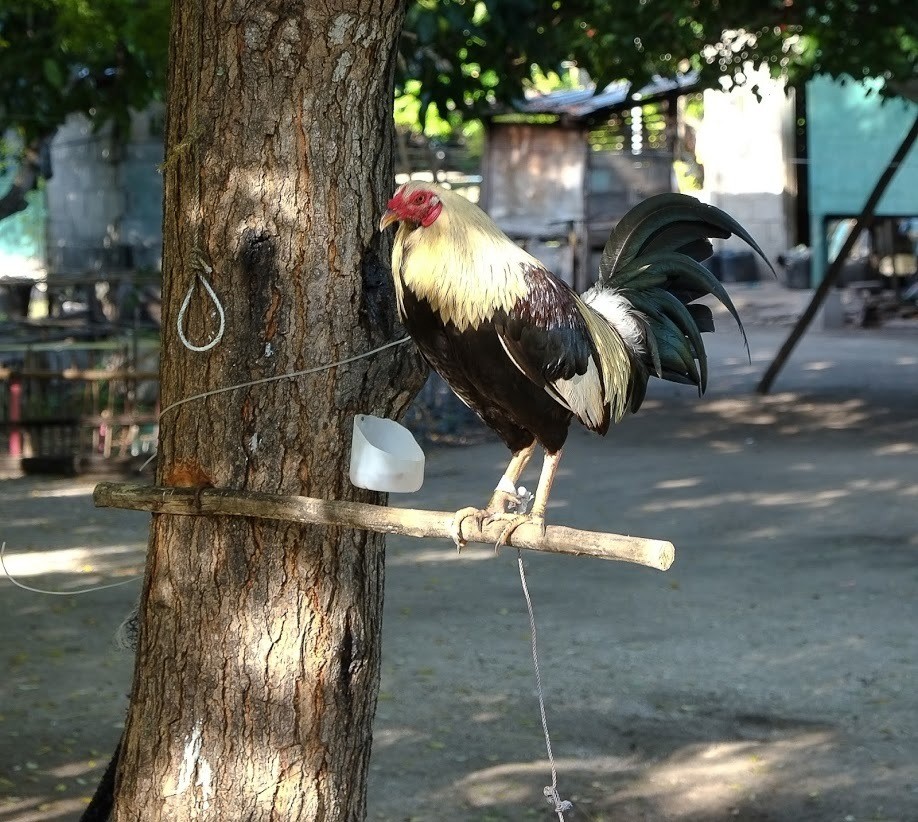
(418, 198)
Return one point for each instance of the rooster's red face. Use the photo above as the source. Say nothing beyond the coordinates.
(419, 206)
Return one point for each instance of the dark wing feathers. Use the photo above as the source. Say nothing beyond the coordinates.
(685, 238)
(676, 272)
(543, 349)
(545, 333)
(702, 315)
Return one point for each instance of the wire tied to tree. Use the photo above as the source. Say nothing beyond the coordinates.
(304, 372)
(202, 395)
(33, 590)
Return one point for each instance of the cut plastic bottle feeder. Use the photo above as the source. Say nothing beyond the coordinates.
(385, 456)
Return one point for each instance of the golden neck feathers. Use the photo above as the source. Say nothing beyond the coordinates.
(463, 265)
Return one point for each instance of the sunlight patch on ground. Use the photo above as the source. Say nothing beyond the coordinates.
(788, 411)
(688, 482)
(807, 499)
(896, 448)
(64, 491)
(512, 782)
(98, 559)
(392, 736)
(717, 777)
(73, 769)
(405, 556)
(39, 809)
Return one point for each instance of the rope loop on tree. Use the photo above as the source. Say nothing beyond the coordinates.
(201, 269)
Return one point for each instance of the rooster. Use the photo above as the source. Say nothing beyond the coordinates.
(528, 354)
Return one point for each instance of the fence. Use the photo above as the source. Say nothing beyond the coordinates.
(70, 406)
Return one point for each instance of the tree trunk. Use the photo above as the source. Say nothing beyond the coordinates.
(259, 648)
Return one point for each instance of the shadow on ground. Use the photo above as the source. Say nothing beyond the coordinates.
(771, 674)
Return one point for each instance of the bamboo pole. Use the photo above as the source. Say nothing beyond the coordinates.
(410, 522)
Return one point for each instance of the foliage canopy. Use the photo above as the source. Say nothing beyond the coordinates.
(58, 57)
(461, 56)
(469, 54)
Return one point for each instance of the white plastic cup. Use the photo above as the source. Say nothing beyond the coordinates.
(385, 456)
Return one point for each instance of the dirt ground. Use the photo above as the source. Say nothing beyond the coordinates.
(770, 676)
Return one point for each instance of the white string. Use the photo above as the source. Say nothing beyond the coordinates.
(305, 371)
(550, 791)
(263, 380)
(302, 373)
(181, 315)
(25, 587)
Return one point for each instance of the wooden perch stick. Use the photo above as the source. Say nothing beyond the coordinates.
(407, 521)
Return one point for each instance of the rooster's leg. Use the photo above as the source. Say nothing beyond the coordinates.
(537, 514)
(503, 499)
(546, 479)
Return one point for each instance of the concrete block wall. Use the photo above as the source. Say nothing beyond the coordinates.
(104, 199)
(743, 143)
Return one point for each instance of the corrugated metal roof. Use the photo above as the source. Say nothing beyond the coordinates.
(583, 103)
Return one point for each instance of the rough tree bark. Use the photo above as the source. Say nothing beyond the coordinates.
(258, 659)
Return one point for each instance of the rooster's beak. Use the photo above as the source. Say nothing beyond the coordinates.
(387, 219)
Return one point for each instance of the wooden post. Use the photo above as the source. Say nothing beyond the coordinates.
(15, 415)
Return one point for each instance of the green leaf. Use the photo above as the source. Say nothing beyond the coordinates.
(53, 73)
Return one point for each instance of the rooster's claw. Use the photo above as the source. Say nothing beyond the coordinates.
(516, 522)
(455, 526)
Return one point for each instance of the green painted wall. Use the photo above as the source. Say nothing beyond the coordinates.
(22, 235)
(852, 134)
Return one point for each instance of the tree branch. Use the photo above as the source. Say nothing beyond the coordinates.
(406, 521)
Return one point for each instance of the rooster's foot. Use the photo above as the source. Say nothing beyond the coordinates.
(455, 527)
(504, 502)
(501, 504)
(497, 511)
(515, 521)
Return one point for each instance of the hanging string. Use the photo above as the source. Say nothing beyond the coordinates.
(550, 791)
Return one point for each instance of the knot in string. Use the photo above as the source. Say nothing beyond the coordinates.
(561, 805)
(549, 791)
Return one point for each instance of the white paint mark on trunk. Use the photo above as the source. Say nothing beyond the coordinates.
(205, 782)
(195, 769)
(190, 758)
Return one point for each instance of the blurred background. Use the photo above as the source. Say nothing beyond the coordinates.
(782, 113)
